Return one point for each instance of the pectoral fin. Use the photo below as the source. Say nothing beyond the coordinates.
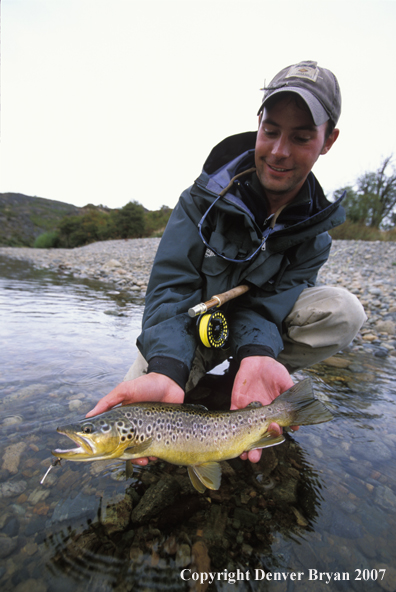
(136, 450)
(266, 441)
(207, 475)
(128, 469)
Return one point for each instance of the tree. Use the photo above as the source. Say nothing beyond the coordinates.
(373, 199)
(129, 221)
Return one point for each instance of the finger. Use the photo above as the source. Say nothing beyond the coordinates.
(294, 428)
(254, 455)
(115, 397)
(101, 407)
(244, 456)
(274, 430)
(143, 461)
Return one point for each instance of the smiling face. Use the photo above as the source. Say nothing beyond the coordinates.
(288, 145)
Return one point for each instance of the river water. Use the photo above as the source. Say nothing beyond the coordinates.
(319, 508)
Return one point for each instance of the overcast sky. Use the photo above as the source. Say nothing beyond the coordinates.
(110, 101)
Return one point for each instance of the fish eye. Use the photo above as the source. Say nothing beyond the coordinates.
(87, 429)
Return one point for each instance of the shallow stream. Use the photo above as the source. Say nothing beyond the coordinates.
(324, 502)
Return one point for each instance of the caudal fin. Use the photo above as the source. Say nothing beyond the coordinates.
(304, 408)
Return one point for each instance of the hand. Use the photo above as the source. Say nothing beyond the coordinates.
(259, 378)
(149, 387)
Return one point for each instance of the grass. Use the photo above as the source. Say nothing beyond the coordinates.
(353, 231)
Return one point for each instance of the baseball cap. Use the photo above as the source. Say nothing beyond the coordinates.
(317, 86)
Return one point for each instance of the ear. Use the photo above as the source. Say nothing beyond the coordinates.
(330, 140)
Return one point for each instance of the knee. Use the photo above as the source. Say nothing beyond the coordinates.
(330, 312)
(346, 309)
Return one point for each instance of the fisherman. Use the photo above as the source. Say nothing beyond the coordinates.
(255, 216)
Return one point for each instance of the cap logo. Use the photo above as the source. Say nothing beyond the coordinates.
(307, 72)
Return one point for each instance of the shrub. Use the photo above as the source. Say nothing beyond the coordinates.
(47, 240)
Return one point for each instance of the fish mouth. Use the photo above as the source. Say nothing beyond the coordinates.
(84, 447)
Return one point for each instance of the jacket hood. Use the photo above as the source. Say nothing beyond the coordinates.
(233, 156)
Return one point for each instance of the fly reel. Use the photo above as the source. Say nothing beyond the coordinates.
(213, 329)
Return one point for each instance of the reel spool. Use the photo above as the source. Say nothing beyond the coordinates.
(213, 329)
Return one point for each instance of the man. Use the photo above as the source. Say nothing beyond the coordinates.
(257, 216)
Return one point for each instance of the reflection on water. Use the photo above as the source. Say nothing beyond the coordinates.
(324, 500)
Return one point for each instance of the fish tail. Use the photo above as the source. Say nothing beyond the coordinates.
(304, 408)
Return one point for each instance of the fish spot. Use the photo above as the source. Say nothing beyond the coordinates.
(166, 442)
(159, 437)
(174, 437)
(102, 422)
(128, 414)
(120, 424)
(149, 428)
(106, 428)
(140, 423)
(148, 412)
(124, 431)
(141, 437)
(129, 436)
(123, 438)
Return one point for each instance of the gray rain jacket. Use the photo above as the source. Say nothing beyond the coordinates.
(186, 272)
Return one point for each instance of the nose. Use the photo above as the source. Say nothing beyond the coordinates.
(281, 148)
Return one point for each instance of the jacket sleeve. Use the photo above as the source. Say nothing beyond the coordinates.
(168, 340)
(257, 319)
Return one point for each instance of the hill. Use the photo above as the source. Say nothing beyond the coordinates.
(24, 218)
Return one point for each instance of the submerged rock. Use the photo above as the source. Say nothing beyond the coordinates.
(12, 457)
(157, 497)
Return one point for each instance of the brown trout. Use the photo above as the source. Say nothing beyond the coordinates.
(190, 435)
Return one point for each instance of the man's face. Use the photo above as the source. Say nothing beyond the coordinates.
(288, 145)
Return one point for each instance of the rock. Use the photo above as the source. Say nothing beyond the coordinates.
(72, 508)
(385, 498)
(375, 451)
(286, 492)
(7, 546)
(337, 362)
(381, 352)
(111, 264)
(345, 527)
(12, 420)
(386, 327)
(30, 549)
(31, 585)
(299, 517)
(388, 583)
(75, 405)
(183, 556)
(12, 488)
(116, 517)
(200, 564)
(38, 495)
(156, 498)
(12, 456)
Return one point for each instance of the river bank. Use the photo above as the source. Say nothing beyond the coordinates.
(367, 269)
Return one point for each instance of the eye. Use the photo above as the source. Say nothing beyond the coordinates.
(87, 430)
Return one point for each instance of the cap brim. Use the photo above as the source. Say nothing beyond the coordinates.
(319, 115)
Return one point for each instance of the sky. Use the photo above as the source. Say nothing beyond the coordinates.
(107, 102)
